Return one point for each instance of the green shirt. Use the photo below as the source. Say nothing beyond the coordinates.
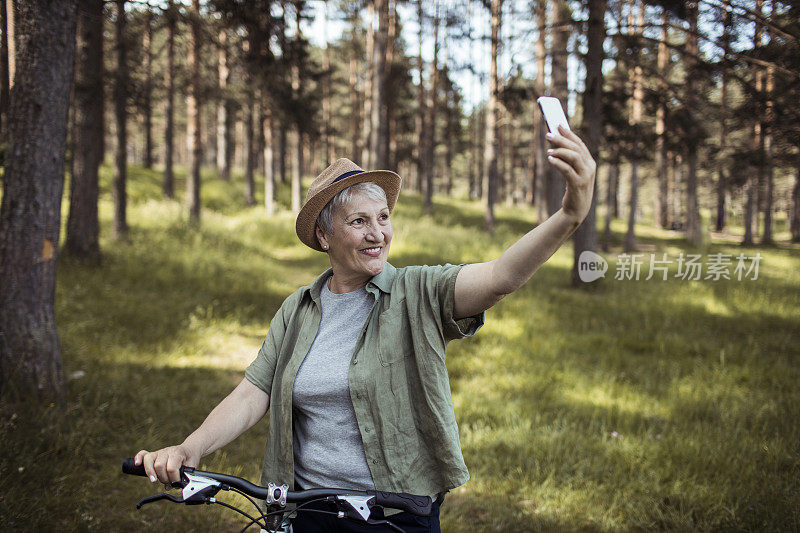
(398, 379)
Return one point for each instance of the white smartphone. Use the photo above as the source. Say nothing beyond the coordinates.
(553, 113)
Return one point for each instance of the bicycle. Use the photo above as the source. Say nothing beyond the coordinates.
(200, 487)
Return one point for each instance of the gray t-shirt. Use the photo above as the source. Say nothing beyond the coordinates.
(328, 451)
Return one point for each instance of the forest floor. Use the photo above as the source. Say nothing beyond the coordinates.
(626, 404)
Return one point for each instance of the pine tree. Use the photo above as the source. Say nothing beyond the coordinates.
(30, 214)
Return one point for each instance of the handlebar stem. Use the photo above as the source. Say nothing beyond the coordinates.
(277, 495)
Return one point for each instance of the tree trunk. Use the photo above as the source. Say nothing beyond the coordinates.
(355, 108)
(501, 145)
(297, 186)
(534, 172)
(693, 227)
(508, 178)
(259, 137)
(327, 133)
(540, 170)
(250, 120)
(4, 61)
(297, 168)
(630, 235)
(147, 90)
(768, 163)
(419, 149)
(795, 204)
(391, 149)
(448, 164)
(378, 129)
(722, 185)
(225, 112)
(474, 169)
(168, 185)
(611, 193)
(193, 112)
(749, 208)
(252, 114)
(635, 118)
(694, 232)
(83, 230)
(491, 147)
(30, 215)
(283, 142)
(121, 115)
(719, 224)
(449, 136)
(750, 204)
(480, 152)
(662, 209)
(388, 138)
(11, 28)
(531, 194)
(210, 143)
(585, 238)
(432, 108)
(615, 197)
(366, 141)
(471, 155)
(269, 175)
(676, 209)
(562, 28)
(275, 144)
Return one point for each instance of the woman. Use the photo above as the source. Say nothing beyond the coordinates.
(353, 365)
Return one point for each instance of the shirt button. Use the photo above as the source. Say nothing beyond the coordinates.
(355, 361)
(358, 395)
(374, 461)
(367, 429)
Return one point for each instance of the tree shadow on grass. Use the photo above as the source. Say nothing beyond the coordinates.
(648, 317)
(673, 483)
(60, 467)
(470, 512)
(149, 301)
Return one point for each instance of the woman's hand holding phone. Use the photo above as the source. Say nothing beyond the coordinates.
(571, 157)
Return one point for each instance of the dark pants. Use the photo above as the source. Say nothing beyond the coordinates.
(310, 522)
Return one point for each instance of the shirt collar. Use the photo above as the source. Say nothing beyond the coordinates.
(385, 279)
(382, 281)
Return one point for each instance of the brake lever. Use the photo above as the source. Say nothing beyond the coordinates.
(198, 489)
(357, 506)
(157, 497)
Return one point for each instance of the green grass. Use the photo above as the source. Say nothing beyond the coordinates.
(629, 405)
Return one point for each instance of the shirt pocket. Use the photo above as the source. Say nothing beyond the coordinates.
(394, 335)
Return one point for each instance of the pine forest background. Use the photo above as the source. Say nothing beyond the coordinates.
(156, 152)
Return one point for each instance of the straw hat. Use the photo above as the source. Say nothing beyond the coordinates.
(337, 177)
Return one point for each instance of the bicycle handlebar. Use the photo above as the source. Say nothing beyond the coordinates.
(418, 505)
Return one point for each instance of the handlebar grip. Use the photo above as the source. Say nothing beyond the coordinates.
(418, 505)
(129, 467)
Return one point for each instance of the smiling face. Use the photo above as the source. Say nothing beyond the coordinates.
(358, 245)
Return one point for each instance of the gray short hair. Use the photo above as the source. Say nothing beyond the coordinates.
(369, 189)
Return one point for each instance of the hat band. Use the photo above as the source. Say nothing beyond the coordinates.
(347, 175)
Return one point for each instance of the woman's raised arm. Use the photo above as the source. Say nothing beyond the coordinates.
(481, 285)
